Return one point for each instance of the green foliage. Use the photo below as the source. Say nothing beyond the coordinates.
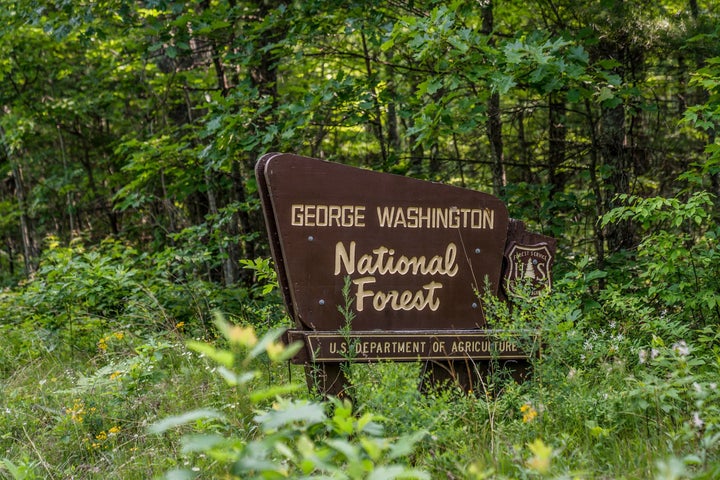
(23, 471)
(676, 270)
(295, 437)
(705, 116)
(129, 212)
(78, 293)
(264, 278)
(604, 397)
(81, 295)
(144, 122)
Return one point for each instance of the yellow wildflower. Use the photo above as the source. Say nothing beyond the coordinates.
(542, 454)
(114, 430)
(76, 412)
(102, 344)
(529, 413)
(119, 335)
(115, 375)
(274, 350)
(242, 336)
(101, 436)
(179, 325)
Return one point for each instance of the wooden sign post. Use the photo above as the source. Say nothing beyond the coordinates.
(414, 254)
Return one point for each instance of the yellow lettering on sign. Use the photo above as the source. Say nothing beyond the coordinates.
(382, 261)
(302, 215)
(435, 217)
(369, 347)
(481, 346)
(394, 299)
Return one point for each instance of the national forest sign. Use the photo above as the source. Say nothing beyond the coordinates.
(415, 255)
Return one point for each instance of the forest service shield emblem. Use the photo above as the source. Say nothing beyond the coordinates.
(528, 267)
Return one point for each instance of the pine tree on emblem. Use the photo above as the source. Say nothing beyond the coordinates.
(529, 270)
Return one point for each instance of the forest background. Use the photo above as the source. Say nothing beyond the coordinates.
(129, 214)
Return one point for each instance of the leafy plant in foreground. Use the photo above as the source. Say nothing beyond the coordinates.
(294, 438)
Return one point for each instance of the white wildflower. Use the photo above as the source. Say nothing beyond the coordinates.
(697, 421)
(681, 348)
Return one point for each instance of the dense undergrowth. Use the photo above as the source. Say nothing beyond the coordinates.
(113, 365)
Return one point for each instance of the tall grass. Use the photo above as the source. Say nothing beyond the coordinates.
(620, 413)
(136, 382)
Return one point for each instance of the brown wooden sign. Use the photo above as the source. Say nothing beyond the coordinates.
(415, 255)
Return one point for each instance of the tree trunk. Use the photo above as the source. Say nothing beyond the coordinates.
(11, 257)
(391, 114)
(375, 123)
(27, 233)
(263, 77)
(494, 129)
(614, 145)
(556, 145)
(26, 228)
(616, 159)
(524, 145)
(230, 251)
(494, 121)
(599, 237)
(68, 196)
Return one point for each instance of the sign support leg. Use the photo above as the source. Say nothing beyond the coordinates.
(329, 379)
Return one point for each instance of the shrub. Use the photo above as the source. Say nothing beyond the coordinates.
(292, 438)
